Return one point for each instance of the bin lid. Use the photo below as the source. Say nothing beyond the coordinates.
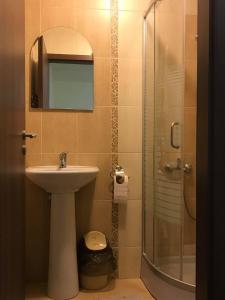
(95, 240)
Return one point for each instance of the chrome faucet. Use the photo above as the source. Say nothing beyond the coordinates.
(63, 160)
(187, 168)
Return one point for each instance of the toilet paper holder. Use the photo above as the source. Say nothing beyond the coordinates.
(119, 173)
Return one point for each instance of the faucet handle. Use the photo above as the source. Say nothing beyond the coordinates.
(63, 155)
(63, 159)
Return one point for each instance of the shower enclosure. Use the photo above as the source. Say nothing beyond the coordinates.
(169, 181)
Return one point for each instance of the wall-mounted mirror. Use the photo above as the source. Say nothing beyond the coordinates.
(62, 71)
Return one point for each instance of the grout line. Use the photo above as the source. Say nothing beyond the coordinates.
(118, 106)
(97, 153)
(40, 16)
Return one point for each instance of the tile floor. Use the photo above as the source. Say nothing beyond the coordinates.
(122, 289)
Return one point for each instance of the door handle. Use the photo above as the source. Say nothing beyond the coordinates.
(29, 135)
(172, 135)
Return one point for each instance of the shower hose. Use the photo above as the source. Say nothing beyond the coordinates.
(187, 206)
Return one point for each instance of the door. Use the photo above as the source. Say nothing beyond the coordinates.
(169, 149)
(12, 119)
(163, 132)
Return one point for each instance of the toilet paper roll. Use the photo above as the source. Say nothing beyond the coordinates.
(120, 190)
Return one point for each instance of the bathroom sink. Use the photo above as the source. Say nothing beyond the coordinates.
(62, 183)
(61, 180)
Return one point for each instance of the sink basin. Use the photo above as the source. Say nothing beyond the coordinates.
(61, 180)
(62, 183)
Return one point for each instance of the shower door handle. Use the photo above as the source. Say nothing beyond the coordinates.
(29, 135)
(172, 135)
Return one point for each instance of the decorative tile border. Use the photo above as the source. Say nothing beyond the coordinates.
(114, 74)
(114, 90)
(116, 255)
(115, 131)
(114, 28)
(114, 50)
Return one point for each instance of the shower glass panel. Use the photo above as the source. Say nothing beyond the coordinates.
(167, 168)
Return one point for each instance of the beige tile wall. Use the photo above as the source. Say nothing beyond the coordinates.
(82, 133)
(88, 136)
(130, 133)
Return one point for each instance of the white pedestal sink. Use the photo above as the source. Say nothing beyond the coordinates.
(62, 183)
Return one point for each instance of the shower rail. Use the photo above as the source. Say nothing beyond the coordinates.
(152, 3)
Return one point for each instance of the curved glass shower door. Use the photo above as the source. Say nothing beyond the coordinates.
(169, 171)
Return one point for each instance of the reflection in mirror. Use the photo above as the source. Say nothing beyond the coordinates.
(62, 71)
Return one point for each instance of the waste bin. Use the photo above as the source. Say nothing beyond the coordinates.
(95, 261)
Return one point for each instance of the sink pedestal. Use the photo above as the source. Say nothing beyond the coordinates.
(62, 183)
(63, 275)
